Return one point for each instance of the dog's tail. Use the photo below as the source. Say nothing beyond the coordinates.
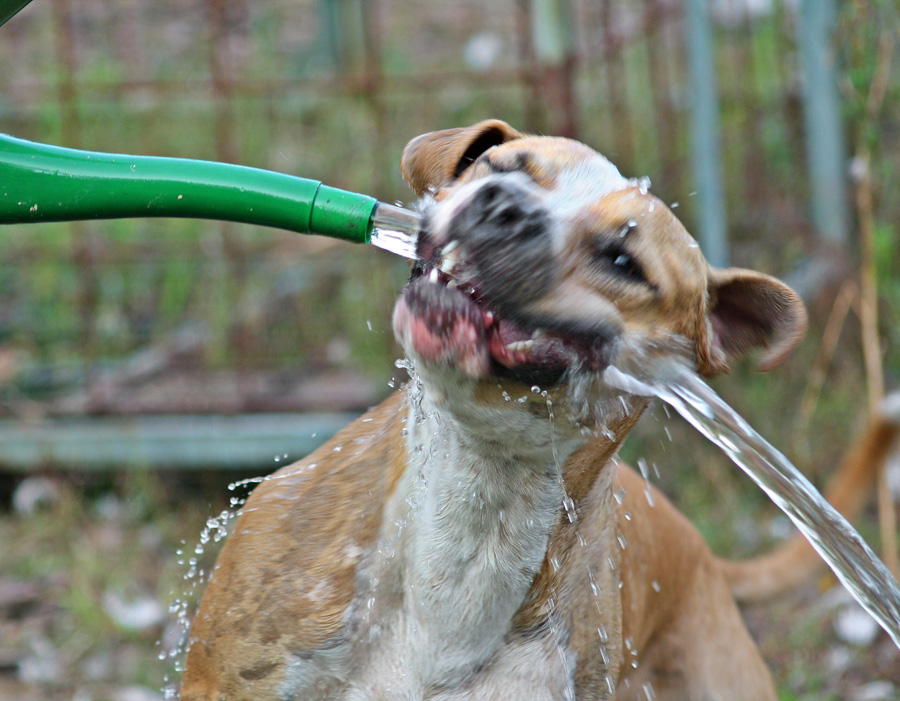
(794, 562)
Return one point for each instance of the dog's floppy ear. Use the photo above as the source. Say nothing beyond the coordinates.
(436, 158)
(748, 309)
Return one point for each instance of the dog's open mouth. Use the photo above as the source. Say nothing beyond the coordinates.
(449, 320)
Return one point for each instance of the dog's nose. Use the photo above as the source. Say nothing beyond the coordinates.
(505, 230)
(505, 207)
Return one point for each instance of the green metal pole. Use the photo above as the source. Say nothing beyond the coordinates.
(706, 150)
(41, 183)
(825, 152)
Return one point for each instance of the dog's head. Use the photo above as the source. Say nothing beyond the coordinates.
(539, 258)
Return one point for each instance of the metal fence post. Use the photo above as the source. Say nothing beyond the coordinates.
(825, 150)
(554, 49)
(706, 152)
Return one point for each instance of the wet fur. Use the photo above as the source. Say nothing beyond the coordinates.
(427, 551)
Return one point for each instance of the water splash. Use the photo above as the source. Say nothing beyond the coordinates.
(661, 370)
(398, 242)
(196, 563)
(395, 229)
(174, 646)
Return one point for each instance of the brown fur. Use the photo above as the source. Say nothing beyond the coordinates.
(287, 573)
(634, 575)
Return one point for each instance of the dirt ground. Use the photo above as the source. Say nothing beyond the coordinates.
(93, 591)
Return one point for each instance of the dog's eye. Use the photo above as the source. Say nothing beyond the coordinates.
(615, 259)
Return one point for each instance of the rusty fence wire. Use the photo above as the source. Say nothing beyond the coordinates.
(149, 316)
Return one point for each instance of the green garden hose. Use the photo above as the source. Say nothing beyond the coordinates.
(8, 8)
(41, 183)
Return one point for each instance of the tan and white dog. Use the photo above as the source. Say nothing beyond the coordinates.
(475, 537)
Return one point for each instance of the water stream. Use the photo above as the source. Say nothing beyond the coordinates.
(394, 241)
(654, 370)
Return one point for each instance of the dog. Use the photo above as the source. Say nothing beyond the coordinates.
(475, 536)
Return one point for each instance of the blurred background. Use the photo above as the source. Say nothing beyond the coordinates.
(146, 366)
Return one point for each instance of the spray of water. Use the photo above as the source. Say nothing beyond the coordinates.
(399, 242)
(661, 370)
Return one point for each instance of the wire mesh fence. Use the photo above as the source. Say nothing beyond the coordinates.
(100, 317)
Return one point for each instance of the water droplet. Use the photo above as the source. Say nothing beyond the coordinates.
(604, 655)
(642, 465)
(569, 506)
(619, 495)
(643, 184)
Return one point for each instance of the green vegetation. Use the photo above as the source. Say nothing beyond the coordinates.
(87, 296)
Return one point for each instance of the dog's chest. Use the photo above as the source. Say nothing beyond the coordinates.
(462, 540)
(539, 669)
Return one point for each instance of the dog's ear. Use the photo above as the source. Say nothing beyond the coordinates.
(436, 158)
(749, 309)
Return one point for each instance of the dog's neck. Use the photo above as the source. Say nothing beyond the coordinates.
(472, 517)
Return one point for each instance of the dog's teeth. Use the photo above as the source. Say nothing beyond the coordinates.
(433, 275)
(450, 257)
(488, 318)
(520, 346)
(452, 284)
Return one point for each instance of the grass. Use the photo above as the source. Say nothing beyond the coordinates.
(75, 297)
(89, 543)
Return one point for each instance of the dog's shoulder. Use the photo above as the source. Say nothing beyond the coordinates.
(286, 574)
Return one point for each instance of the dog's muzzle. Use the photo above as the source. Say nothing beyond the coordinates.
(504, 233)
(487, 257)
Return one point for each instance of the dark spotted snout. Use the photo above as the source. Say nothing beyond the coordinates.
(506, 233)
